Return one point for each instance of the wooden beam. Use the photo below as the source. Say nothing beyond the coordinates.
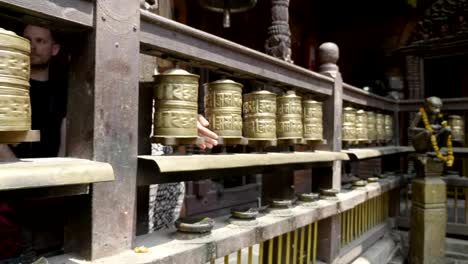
(115, 124)
(161, 36)
(79, 12)
(360, 97)
(449, 104)
(50, 172)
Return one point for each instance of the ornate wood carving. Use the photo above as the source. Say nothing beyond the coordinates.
(278, 43)
(444, 18)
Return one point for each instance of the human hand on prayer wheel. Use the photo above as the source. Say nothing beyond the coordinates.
(203, 131)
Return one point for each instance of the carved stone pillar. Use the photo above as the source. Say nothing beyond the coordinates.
(428, 213)
(278, 43)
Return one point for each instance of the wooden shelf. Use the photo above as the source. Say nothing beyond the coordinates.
(79, 12)
(376, 152)
(10, 137)
(160, 36)
(52, 172)
(158, 169)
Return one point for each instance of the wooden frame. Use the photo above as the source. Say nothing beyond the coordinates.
(105, 110)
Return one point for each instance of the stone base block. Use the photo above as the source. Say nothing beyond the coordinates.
(429, 192)
(427, 235)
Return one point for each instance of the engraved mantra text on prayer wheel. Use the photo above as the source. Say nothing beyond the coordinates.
(388, 123)
(15, 107)
(176, 94)
(361, 125)
(380, 126)
(289, 116)
(260, 115)
(371, 126)
(349, 123)
(223, 108)
(457, 125)
(313, 116)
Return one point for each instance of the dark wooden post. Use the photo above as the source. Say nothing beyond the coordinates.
(330, 228)
(116, 124)
(103, 126)
(278, 43)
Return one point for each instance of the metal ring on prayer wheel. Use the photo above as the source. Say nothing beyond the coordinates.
(259, 110)
(312, 119)
(15, 106)
(14, 55)
(380, 126)
(371, 126)
(176, 113)
(349, 124)
(457, 125)
(361, 125)
(388, 123)
(289, 116)
(223, 108)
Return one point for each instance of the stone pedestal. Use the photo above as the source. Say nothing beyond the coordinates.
(428, 213)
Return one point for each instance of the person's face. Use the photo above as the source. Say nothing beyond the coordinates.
(43, 46)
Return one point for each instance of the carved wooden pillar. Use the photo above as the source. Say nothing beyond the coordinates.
(278, 43)
(330, 228)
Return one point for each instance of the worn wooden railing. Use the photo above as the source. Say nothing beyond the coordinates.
(357, 221)
(104, 75)
(457, 206)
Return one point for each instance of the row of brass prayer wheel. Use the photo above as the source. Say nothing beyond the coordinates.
(360, 125)
(260, 115)
(15, 107)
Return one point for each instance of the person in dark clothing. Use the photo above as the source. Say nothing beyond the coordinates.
(48, 111)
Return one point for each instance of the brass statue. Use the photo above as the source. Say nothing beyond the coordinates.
(429, 132)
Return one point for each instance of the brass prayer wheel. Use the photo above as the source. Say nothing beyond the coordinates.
(388, 123)
(15, 106)
(349, 124)
(380, 126)
(313, 116)
(289, 116)
(361, 125)
(14, 55)
(371, 126)
(259, 110)
(223, 108)
(457, 125)
(176, 95)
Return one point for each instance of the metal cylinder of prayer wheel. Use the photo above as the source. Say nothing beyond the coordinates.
(15, 114)
(361, 125)
(371, 126)
(458, 127)
(313, 116)
(380, 126)
(388, 124)
(14, 55)
(223, 108)
(259, 110)
(289, 116)
(176, 95)
(349, 124)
